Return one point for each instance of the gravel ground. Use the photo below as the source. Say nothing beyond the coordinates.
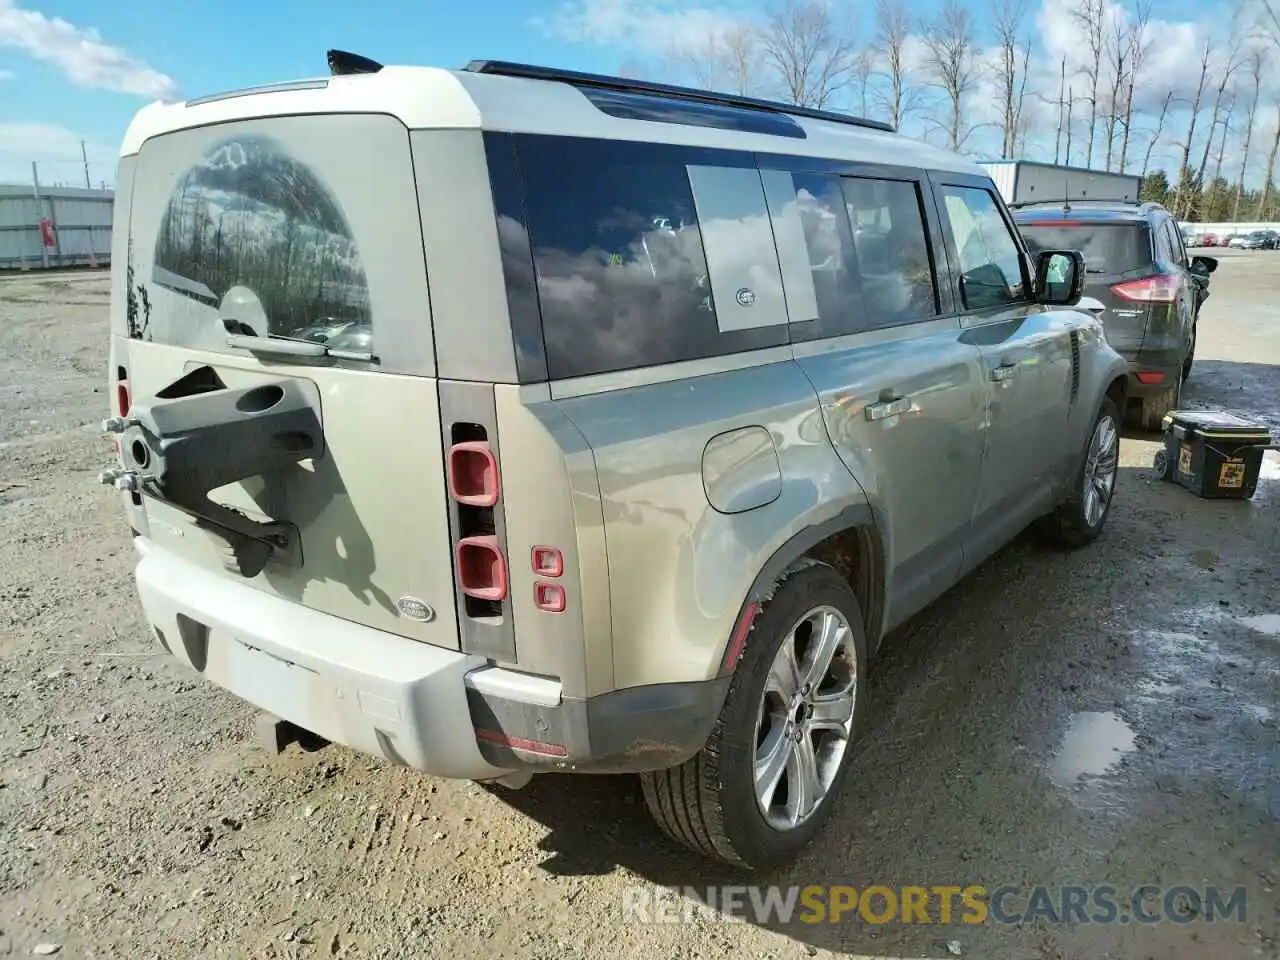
(1102, 717)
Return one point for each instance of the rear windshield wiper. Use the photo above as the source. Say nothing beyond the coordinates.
(295, 349)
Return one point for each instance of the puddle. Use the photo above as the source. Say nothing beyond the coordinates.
(1094, 741)
(1268, 623)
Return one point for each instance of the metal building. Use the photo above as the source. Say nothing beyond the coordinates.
(62, 227)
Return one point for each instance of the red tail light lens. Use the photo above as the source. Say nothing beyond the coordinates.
(482, 570)
(1150, 376)
(549, 597)
(473, 474)
(122, 391)
(1162, 288)
(548, 562)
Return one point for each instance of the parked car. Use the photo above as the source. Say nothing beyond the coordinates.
(1137, 266)
(1257, 240)
(589, 488)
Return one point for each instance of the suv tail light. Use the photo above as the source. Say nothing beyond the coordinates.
(473, 474)
(482, 570)
(1162, 288)
(122, 391)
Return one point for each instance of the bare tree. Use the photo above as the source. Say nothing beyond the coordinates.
(1155, 137)
(1139, 46)
(948, 41)
(1011, 68)
(1091, 16)
(1118, 66)
(1229, 69)
(1257, 69)
(864, 69)
(1205, 57)
(813, 56)
(731, 61)
(1268, 174)
(893, 30)
(1222, 141)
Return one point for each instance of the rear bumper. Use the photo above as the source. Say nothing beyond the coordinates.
(1146, 365)
(374, 692)
(439, 711)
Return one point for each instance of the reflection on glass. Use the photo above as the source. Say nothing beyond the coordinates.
(990, 264)
(893, 254)
(250, 220)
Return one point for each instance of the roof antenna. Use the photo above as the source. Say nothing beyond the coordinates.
(1066, 196)
(342, 63)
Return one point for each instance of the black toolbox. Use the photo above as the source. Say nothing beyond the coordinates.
(1214, 454)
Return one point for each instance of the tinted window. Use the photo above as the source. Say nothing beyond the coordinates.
(1164, 244)
(991, 272)
(892, 251)
(618, 255)
(257, 238)
(1108, 248)
(815, 247)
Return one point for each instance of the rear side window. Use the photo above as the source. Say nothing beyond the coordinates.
(898, 284)
(1110, 248)
(619, 257)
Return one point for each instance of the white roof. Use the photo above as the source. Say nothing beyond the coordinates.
(429, 98)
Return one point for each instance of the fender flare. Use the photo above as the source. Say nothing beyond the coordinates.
(858, 515)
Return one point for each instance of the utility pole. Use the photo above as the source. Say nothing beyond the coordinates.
(35, 183)
(84, 155)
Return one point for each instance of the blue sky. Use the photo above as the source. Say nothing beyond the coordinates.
(78, 69)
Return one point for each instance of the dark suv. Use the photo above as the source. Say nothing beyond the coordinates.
(1138, 267)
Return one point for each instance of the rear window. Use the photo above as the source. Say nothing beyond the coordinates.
(1107, 247)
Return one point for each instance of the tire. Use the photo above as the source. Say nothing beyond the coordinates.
(709, 804)
(1154, 408)
(1074, 523)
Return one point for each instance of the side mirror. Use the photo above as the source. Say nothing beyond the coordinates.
(1205, 265)
(1059, 277)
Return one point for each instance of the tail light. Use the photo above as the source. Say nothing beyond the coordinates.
(122, 391)
(1162, 288)
(482, 569)
(480, 561)
(473, 474)
(1150, 377)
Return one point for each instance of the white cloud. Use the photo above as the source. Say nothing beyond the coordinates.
(80, 53)
(653, 25)
(56, 151)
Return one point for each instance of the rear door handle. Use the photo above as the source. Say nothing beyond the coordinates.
(888, 408)
(1006, 371)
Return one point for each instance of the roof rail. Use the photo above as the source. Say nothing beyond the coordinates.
(507, 69)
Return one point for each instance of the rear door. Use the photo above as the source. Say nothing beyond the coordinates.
(901, 390)
(288, 229)
(1026, 361)
(1115, 251)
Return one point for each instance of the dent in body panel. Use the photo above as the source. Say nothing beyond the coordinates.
(551, 499)
(678, 569)
(740, 470)
(920, 468)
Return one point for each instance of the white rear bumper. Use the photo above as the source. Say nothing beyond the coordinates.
(373, 691)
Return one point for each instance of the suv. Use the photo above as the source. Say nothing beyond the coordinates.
(1139, 269)
(651, 412)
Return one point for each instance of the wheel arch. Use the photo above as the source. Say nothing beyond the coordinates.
(851, 543)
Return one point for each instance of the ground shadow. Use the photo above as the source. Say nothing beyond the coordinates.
(950, 785)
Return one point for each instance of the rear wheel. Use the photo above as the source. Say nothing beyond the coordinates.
(765, 782)
(1081, 516)
(1155, 407)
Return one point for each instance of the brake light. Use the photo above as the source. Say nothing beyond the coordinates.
(482, 570)
(122, 391)
(1162, 288)
(473, 474)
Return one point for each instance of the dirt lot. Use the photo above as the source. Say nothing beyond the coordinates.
(1104, 717)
